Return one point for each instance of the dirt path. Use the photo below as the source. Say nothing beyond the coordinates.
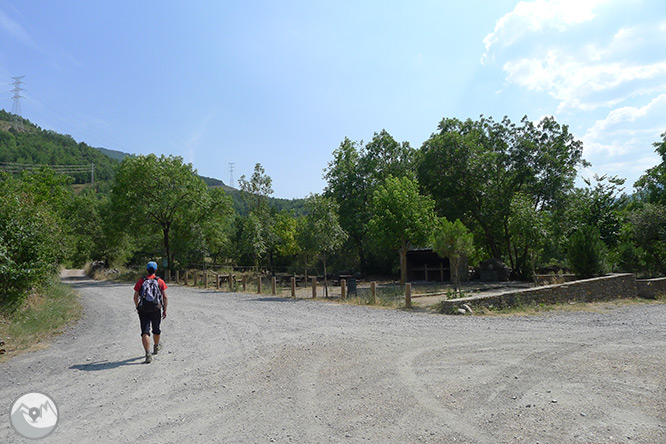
(245, 368)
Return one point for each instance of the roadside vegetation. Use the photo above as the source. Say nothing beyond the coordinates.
(42, 316)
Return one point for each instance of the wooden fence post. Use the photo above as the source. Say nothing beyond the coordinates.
(206, 279)
(373, 291)
(408, 295)
(293, 287)
(217, 281)
(177, 276)
(314, 287)
(273, 285)
(259, 285)
(343, 289)
(231, 283)
(196, 277)
(244, 283)
(185, 277)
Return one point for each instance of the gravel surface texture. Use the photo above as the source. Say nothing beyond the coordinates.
(246, 368)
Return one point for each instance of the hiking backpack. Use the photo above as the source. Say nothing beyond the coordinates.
(151, 296)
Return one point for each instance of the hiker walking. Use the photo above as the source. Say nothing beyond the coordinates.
(150, 300)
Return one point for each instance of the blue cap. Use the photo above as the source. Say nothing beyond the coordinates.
(151, 266)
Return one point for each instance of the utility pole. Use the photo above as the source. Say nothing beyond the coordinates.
(231, 174)
(16, 107)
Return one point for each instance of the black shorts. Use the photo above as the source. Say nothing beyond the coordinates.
(147, 319)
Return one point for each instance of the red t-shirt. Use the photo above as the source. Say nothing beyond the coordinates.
(160, 282)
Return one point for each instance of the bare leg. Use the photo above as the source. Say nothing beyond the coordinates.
(145, 339)
(156, 339)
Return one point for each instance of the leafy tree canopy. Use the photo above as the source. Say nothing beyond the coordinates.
(474, 169)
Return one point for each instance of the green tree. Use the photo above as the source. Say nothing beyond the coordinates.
(601, 206)
(323, 234)
(31, 237)
(153, 193)
(205, 232)
(474, 169)
(586, 252)
(352, 176)
(286, 231)
(652, 184)
(401, 217)
(648, 227)
(527, 229)
(454, 241)
(259, 235)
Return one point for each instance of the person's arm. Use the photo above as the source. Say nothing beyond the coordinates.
(136, 299)
(165, 301)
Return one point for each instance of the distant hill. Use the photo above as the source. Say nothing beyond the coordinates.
(118, 155)
(24, 142)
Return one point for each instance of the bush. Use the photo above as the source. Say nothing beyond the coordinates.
(29, 246)
(587, 252)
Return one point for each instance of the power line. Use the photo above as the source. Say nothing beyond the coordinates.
(13, 167)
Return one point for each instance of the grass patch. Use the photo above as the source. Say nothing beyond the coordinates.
(389, 297)
(42, 316)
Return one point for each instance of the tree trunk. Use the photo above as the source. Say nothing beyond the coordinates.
(454, 264)
(403, 266)
(323, 258)
(167, 248)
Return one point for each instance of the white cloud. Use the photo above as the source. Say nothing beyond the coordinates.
(599, 65)
(573, 81)
(534, 16)
(625, 130)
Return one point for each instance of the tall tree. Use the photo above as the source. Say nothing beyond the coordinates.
(653, 183)
(323, 234)
(473, 170)
(354, 173)
(347, 185)
(401, 217)
(152, 192)
(259, 232)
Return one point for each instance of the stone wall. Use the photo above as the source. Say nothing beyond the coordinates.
(616, 286)
(651, 288)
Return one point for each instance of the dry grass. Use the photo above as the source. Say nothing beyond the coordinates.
(42, 317)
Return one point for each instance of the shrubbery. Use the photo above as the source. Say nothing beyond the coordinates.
(586, 252)
(30, 248)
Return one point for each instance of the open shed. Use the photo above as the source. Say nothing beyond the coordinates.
(423, 264)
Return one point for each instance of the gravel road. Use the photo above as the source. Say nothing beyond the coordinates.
(246, 368)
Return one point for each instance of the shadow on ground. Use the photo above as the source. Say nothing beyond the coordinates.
(106, 365)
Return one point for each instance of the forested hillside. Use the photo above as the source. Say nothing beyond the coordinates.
(26, 143)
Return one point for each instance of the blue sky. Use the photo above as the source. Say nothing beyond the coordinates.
(283, 83)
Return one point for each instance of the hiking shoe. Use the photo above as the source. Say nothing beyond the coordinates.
(157, 348)
(149, 358)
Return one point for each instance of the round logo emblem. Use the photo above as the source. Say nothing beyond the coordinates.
(34, 415)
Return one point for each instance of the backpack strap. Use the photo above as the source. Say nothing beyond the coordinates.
(142, 294)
